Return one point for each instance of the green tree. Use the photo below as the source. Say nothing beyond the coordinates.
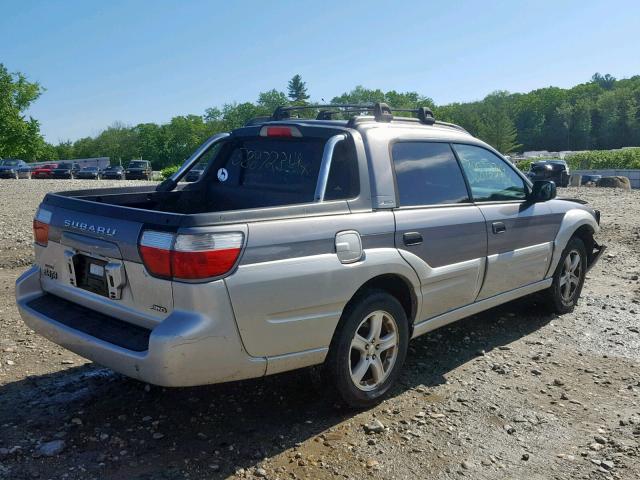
(272, 99)
(19, 136)
(600, 114)
(297, 90)
(64, 150)
(605, 81)
(581, 134)
(497, 127)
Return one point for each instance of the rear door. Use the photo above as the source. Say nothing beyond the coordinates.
(520, 233)
(438, 229)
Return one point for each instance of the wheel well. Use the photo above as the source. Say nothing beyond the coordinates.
(585, 233)
(395, 285)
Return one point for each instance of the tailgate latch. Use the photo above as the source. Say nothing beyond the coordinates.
(116, 279)
(68, 256)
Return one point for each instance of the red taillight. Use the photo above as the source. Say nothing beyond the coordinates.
(41, 227)
(193, 265)
(40, 233)
(191, 256)
(155, 250)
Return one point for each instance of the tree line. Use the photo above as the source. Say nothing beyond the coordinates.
(603, 113)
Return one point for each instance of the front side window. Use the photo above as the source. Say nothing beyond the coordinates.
(489, 177)
(427, 174)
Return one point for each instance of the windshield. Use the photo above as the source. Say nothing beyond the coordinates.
(90, 169)
(137, 164)
(9, 163)
(112, 167)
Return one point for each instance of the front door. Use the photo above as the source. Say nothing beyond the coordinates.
(439, 231)
(520, 233)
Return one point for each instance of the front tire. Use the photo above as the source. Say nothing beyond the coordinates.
(568, 278)
(368, 349)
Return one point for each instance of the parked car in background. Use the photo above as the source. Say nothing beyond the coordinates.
(554, 170)
(44, 171)
(65, 170)
(113, 172)
(89, 173)
(138, 170)
(195, 174)
(24, 171)
(590, 179)
(9, 167)
(306, 242)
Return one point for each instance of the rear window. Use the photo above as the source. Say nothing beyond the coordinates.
(290, 166)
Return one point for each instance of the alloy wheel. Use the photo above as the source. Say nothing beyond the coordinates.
(374, 350)
(570, 275)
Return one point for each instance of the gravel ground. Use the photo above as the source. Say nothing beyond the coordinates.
(19, 200)
(512, 393)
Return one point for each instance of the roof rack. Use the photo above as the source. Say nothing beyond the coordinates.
(380, 110)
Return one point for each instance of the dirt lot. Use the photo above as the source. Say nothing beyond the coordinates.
(512, 393)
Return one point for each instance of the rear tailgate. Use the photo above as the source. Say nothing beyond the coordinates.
(93, 260)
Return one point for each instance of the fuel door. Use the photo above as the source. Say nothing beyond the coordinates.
(348, 246)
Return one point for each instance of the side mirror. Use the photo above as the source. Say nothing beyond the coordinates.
(542, 191)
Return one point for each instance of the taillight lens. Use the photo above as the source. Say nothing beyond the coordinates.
(205, 255)
(190, 256)
(41, 227)
(155, 250)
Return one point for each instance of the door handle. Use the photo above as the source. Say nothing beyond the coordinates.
(412, 238)
(498, 227)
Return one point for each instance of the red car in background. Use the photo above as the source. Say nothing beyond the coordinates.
(43, 171)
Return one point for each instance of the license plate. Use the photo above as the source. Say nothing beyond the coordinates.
(96, 270)
(90, 274)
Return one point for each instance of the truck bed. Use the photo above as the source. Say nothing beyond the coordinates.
(189, 205)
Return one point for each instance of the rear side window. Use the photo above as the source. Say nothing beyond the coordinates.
(427, 174)
(289, 166)
(489, 177)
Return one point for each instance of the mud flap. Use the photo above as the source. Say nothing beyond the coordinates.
(596, 254)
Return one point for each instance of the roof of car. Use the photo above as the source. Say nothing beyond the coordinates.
(552, 160)
(359, 115)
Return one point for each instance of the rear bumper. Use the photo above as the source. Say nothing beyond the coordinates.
(187, 348)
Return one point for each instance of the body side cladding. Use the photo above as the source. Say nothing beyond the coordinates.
(459, 313)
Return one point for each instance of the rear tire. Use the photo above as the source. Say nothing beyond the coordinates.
(368, 349)
(568, 278)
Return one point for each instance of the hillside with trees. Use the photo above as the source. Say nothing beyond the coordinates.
(603, 113)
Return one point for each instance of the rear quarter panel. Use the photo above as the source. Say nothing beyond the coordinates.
(290, 289)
